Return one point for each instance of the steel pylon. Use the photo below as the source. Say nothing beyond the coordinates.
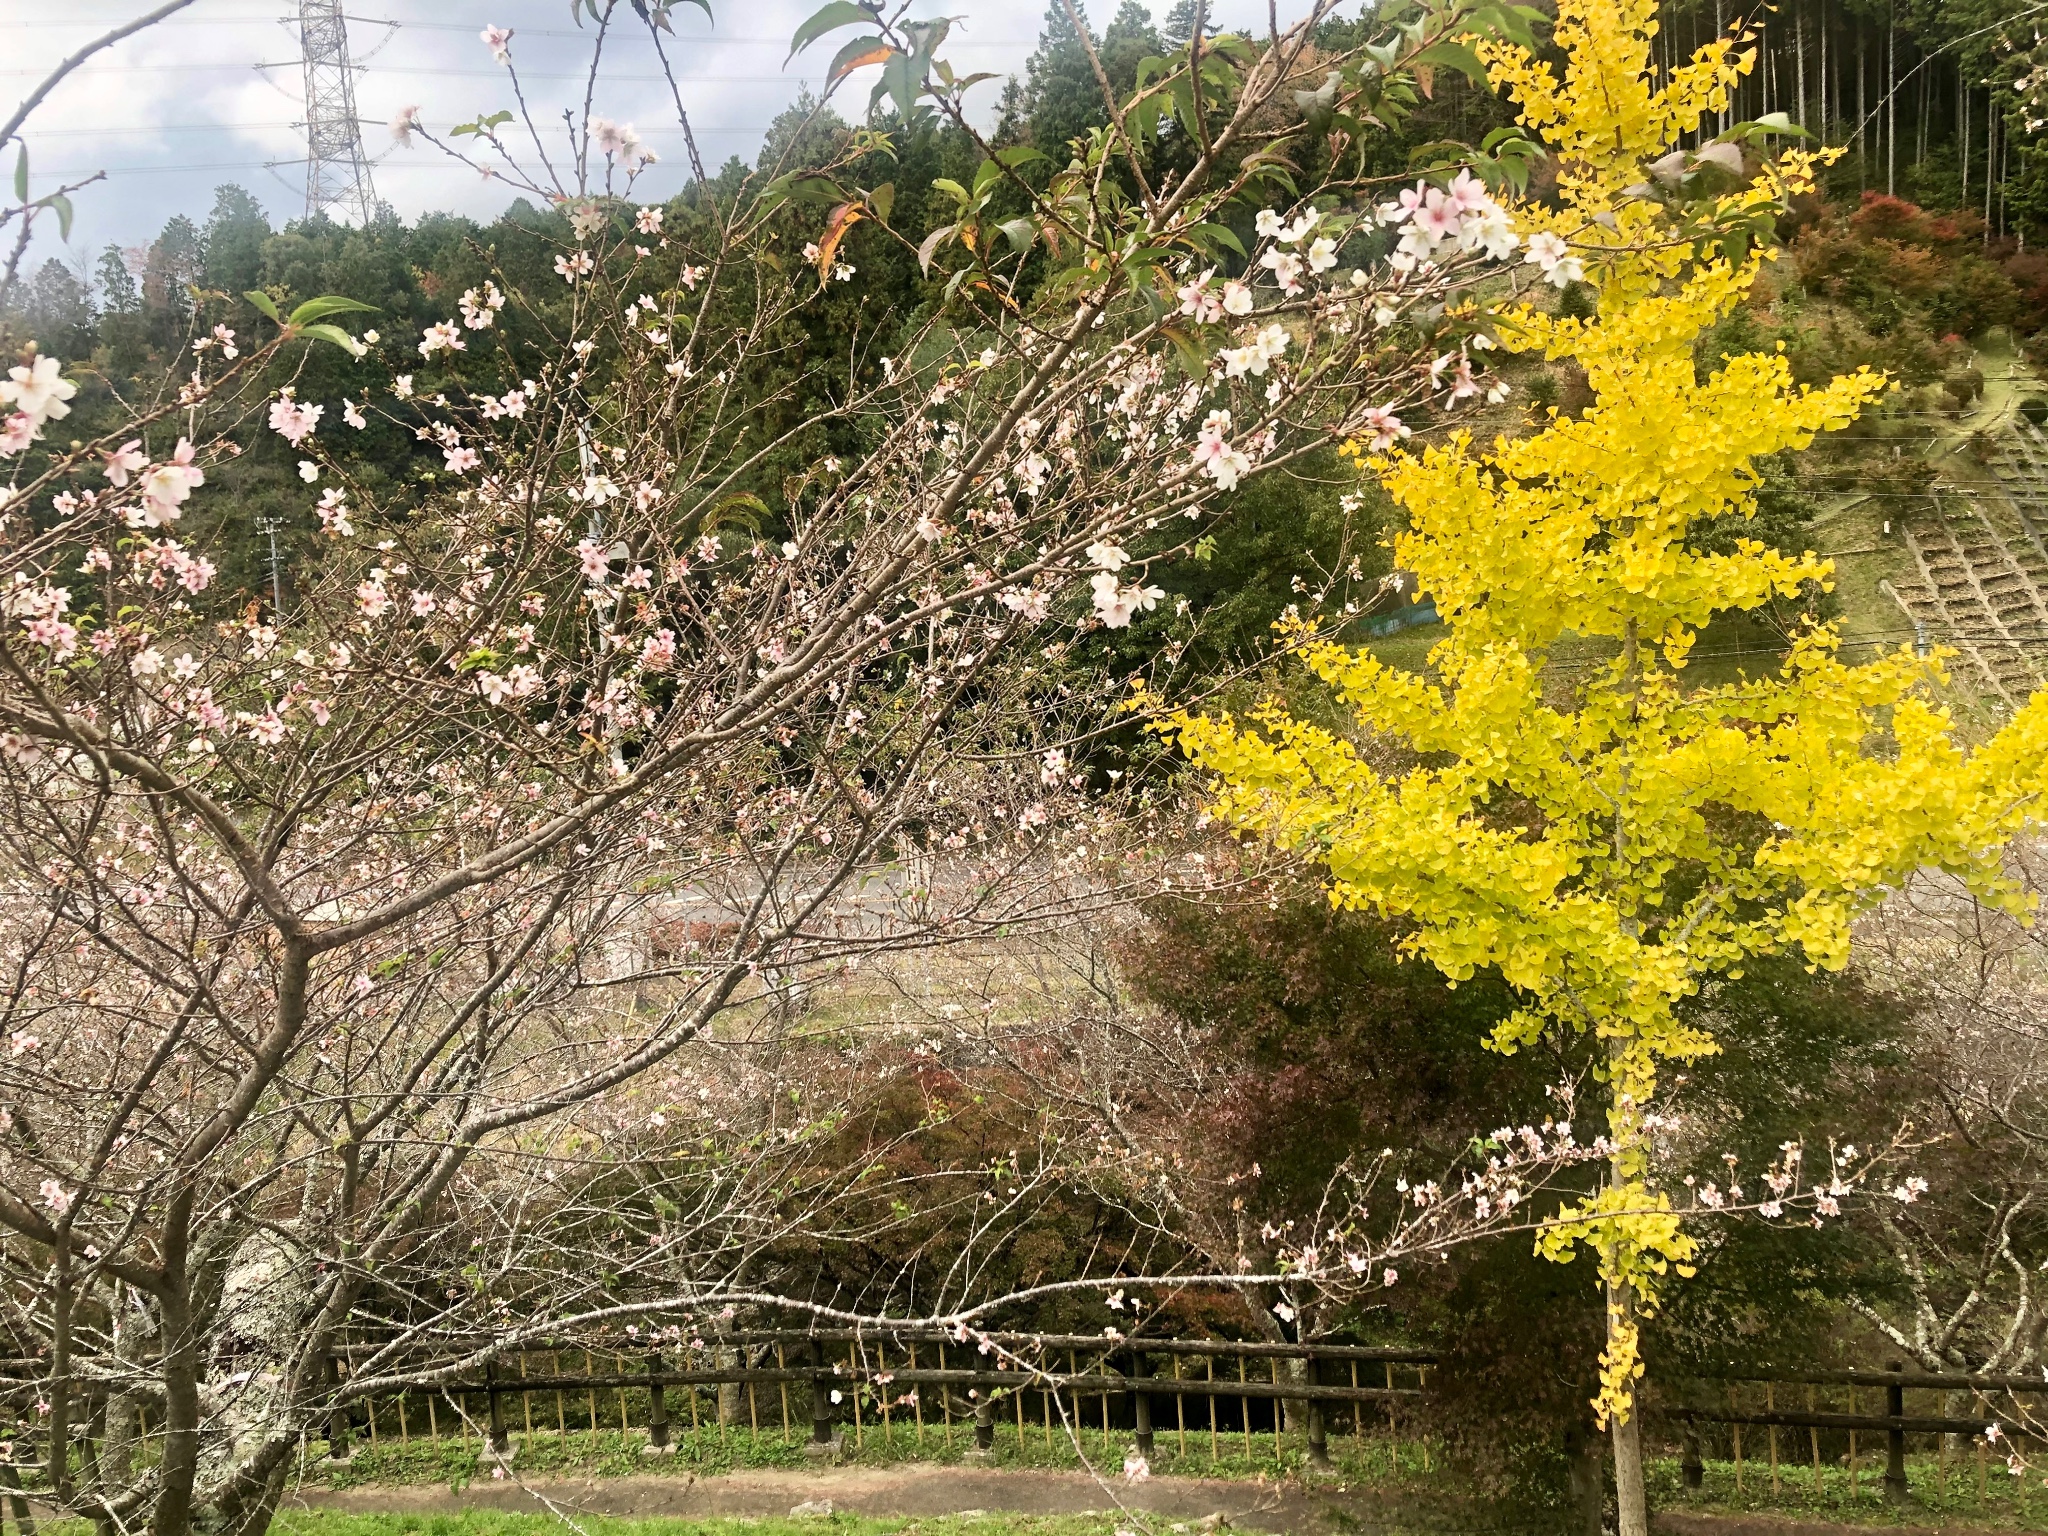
(337, 170)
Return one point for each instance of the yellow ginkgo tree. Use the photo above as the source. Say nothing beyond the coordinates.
(1606, 838)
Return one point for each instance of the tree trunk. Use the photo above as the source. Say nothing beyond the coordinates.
(1891, 106)
(180, 1466)
(1588, 1465)
(1632, 1512)
(1631, 1502)
(1862, 115)
(1823, 129)
(1990, 157)
(1799, 62)
(1720, 30)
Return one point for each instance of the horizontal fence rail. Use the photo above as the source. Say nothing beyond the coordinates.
(827, 1385)
(1966, 1412)
(835, 1389)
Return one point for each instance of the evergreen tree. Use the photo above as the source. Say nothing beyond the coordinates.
(1012, 125)
(116, 283)
(59, 310)
(167, 277)
(232, 260)
(1128, 41)
(1060, 90)
(1179, 28)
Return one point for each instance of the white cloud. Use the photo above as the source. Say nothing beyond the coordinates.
(176, 111)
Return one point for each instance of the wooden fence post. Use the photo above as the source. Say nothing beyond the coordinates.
(1141, 1406)
(1692, 1469)
(782, 1364)
(657, 1407)
(525, 1398)
(1215, 1438)
(1813, 1439)
(1279, 1414)
(337, 1416)
(1318, 1432)
(1895, 1438)
(494, 1403)
(984, 1425)
(1771, 1405)
(821, 1401)
(853, 1388)
(1244, 1376)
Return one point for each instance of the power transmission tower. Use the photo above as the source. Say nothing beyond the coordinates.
(337, 170)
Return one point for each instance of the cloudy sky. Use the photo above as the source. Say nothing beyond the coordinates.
(215, 94)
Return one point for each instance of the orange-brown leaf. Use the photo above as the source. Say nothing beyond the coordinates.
(843, 218)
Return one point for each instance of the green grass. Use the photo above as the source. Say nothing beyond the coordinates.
(1375, 1461)
(2009, 1503)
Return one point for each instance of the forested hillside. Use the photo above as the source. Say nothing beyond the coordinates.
(1928, 98)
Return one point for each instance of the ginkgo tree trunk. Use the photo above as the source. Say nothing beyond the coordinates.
(1606, 838)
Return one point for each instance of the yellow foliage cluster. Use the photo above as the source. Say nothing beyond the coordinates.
(1607, 852)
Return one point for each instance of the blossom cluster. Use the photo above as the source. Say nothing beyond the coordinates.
(32, 394)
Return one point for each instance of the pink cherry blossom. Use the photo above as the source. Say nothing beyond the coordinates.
(291, 420)
(124, 461)
(166, 486)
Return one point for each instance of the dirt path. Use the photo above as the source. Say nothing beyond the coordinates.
(908, 1491)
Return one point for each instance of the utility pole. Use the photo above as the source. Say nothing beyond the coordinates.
(337, 170)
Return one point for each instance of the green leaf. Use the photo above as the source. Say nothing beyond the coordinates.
(321, 308)
(839, 13)
(333, 333)
(742, 509)
(1207, 237)
(1021, 155)
(900, 76)
(1020, 231)
(21, 176)
(62, 205)
(1194, 361)
(1507, 23)
(1451, 54)
(883, 200)
(930, 246)
(264, 304)
(952, 189)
